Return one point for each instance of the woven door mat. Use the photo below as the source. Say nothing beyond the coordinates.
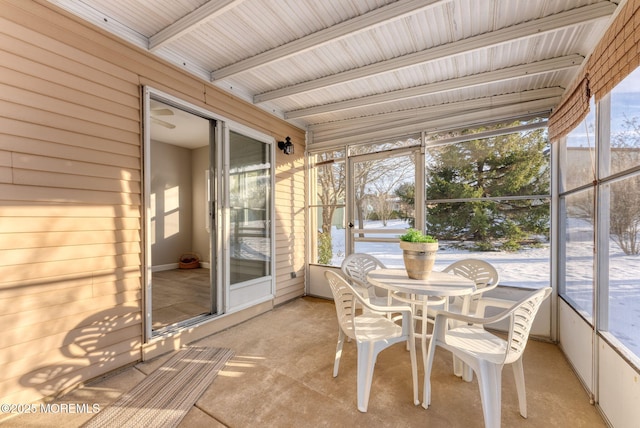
(164, 397)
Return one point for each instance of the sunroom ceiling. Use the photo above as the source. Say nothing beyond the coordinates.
(354, 70)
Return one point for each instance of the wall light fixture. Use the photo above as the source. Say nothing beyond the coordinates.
(286, 146)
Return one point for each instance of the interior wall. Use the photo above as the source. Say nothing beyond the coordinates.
(171, 196)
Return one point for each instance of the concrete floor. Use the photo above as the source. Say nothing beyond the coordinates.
(281, 376)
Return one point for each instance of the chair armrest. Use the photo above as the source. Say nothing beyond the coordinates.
(444, 315)
(405, 312)
(483, 290)
(383, 309)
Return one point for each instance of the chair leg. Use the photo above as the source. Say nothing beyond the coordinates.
(518, 374)
(413, 319)
(366, 361)
(490, 383)
(462, 370)
(336, 362)
(426, 393)
(467, 373)
(414, 371)
(423, 343)
(458, 367)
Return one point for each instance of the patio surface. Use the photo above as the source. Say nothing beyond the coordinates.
(281, 376)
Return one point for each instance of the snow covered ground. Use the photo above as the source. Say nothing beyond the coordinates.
(530, 268)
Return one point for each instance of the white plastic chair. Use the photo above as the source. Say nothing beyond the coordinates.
(486, 277)
(372, 332)
(486, 353)
(483, 273)
(355, 267)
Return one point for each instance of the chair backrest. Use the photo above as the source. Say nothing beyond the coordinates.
(344, 302)
(356, 266)
(481, 272)
(521, 318)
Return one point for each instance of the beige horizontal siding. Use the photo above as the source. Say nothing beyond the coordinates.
(55, 194)
(99, 279)
(64, 224)
(288, 293)
(70, 229)
(56, 209)
(39, 36)
(92, 117)
(93, 305)
(24, 256)
(26, 364)
(290, 224)
(67, 324)
(41, 163)
(76, 267)
(76, 181)
(5, 158)
(123, 141)
(53, 239)
(77, 343)
(63, 145)
(45, 381)
(60, 296)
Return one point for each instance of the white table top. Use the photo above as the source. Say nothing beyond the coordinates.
(438, 283)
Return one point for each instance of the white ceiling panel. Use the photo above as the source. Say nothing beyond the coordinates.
(349, 69)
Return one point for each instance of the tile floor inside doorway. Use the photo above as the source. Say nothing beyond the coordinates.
(178, 295)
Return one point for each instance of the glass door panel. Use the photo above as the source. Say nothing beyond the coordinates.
(178, 227)
(249, 208)
(382, 187)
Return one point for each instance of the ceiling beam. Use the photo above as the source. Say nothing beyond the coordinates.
(346, 28)
(436, 110)
(187, 23)
(470, 119)
(501, 75)
(425, 116)
(519, 31)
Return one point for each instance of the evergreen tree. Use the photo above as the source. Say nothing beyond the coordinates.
(500, 168)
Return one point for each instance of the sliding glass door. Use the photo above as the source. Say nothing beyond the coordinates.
(208, 191)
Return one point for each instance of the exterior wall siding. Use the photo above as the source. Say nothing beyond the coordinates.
(71, 286)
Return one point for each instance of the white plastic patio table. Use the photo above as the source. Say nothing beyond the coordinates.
(438, 284)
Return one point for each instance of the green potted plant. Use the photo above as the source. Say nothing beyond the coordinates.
(419, 253)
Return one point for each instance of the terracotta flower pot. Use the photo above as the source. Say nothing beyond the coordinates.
(419, 258)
